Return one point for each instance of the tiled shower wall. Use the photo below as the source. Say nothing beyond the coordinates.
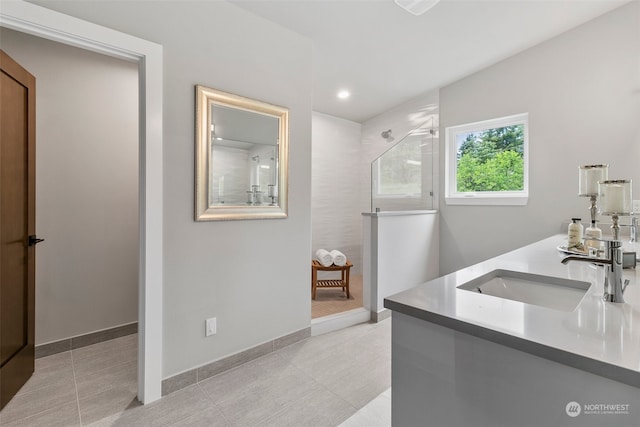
(335, 198)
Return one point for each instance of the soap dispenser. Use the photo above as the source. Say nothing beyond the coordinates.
(575, 235)
(593, 246)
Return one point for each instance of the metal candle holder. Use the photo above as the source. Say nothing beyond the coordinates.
(589, 177)
(272, 194)
(593, 209)
(616, 201)
(615, 228)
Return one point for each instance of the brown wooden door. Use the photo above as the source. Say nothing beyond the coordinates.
(17, 223)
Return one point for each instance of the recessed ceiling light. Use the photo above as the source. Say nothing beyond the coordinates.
(344, 94)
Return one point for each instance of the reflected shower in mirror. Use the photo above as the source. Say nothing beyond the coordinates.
(242, 157)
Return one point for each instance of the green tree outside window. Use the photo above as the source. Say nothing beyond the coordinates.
(491, 160)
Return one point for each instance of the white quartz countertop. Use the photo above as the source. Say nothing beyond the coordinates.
(598, 336)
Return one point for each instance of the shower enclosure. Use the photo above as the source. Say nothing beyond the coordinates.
(401, 233)
(402, 178)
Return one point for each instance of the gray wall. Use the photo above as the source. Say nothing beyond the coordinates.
(86, 186)
(582, 92)
(252, 275)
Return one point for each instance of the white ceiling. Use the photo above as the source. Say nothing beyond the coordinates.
(386, 56)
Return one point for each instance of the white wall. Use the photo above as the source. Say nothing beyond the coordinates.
(335, 186)
(582, 92)
(401, 251)
(86, 186)
(237, 271)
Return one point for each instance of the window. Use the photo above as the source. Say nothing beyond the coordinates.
(399, 170)
(487, 162)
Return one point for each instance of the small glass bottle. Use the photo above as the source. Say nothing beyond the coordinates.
(575, 235)
(593, 246)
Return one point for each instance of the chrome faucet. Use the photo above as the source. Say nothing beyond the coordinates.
(613, 285)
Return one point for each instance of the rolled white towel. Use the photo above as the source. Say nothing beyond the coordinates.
(338, 258)
(324, 257)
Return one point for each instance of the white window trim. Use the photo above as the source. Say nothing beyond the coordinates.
(495, 198)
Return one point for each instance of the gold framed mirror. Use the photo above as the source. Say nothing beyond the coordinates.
(242, 150)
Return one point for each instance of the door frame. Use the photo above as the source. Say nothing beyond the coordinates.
(51, 25)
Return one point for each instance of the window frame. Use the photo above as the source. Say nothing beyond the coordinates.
(496, 198)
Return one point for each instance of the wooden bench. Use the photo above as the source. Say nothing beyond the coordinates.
(343, 282)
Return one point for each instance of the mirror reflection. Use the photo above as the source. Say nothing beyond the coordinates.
(241, 165)
(243, 157)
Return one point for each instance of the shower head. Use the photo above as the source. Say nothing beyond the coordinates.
(387, 135)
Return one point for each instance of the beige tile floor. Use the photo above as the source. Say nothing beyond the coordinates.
(332, 300)
(321, 381)
(376, 413)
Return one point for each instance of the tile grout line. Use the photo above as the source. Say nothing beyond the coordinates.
(311, 378)
(22, 419)
(363, 415)
(210, 399)
(75, 384)
(101, 370)
(30, 415)
(317, 383)
(344, 340)
(333, 393)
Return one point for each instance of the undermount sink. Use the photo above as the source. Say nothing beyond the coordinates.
(545, 291)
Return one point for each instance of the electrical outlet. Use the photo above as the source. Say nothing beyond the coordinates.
(210, 326)
(636, 206)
